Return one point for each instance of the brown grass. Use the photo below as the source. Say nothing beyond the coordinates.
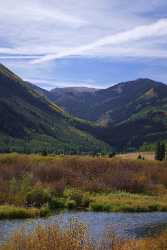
(75, 237)
(133, 156)
(51, 238)
(86, 173)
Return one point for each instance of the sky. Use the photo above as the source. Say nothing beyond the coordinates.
(93, 43)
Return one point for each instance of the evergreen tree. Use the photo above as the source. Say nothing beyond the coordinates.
(160, 151)
(163, 151)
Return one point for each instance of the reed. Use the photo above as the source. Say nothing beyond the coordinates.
(76, 237)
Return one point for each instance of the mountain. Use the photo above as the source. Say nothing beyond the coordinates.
(131, 113)
(107, 104)
(72, 90)
(72, 99)
(29, 122)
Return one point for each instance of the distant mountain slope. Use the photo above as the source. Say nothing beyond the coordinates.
(112, 104)
(73, 99)
(72, 90)
(29, 122)
(131, 112)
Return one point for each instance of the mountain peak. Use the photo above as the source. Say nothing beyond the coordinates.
(80, 89)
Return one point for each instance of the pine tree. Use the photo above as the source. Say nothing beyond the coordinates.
(160, 151)
(163, 151)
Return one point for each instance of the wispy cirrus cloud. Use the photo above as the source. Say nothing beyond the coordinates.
(51, 33)
(53, 83)
(33, 11)
(153, 30)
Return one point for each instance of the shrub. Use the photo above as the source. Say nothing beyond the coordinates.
(75, 195)
(100, 207)
(44, 212)
(111, 155)
(81, 199)
(37, 197)
(57, 203)
(71, 204)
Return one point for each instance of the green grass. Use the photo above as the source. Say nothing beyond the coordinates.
(97, 202)
(12, 212)
(126, 202)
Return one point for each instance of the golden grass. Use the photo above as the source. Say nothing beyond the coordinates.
(51, 238)
(132, 156)
(103, 178)
(76, 237)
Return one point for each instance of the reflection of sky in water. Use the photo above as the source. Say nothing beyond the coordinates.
(124, 224)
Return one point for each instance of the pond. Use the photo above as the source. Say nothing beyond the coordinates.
(126, 225)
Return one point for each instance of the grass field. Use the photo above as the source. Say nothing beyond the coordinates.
(133, 156)
(12, 212)
(126, 202)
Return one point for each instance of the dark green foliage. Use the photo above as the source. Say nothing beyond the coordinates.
(45, 212)
(71, 204)
(30, 123)
(44, 153)
(132, 114)
(77, 196)
(111, 155)
(37, 197)
(160, 151)
(57, 203)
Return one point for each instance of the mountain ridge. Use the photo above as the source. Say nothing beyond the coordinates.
(30, 122)
(131, 113)
(126, 116)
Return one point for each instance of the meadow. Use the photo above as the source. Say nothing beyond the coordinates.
(132, 156)
(37, 185)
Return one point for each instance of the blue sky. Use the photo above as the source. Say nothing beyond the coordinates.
(93, 43)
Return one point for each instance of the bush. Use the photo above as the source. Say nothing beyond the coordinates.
(71, 204)
(111, 155)
(57, 203)
(99, 207)
(44, 212)
(81, 199)
(37, 197)
(74, 194)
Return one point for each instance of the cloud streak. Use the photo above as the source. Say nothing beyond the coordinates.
(92, 38)
(155, 29)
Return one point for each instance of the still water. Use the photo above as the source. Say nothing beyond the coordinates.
(126, 225)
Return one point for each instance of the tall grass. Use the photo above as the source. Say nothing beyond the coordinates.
(35, 181)
(88, 173)
(11, 212)
(76, 237)
(126, 202)
(51, 238)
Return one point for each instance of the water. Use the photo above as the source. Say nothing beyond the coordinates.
(126, 225)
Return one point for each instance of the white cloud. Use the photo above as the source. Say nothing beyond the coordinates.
(37, 30)
(32, 11)
(156, 29)
(50, 84)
